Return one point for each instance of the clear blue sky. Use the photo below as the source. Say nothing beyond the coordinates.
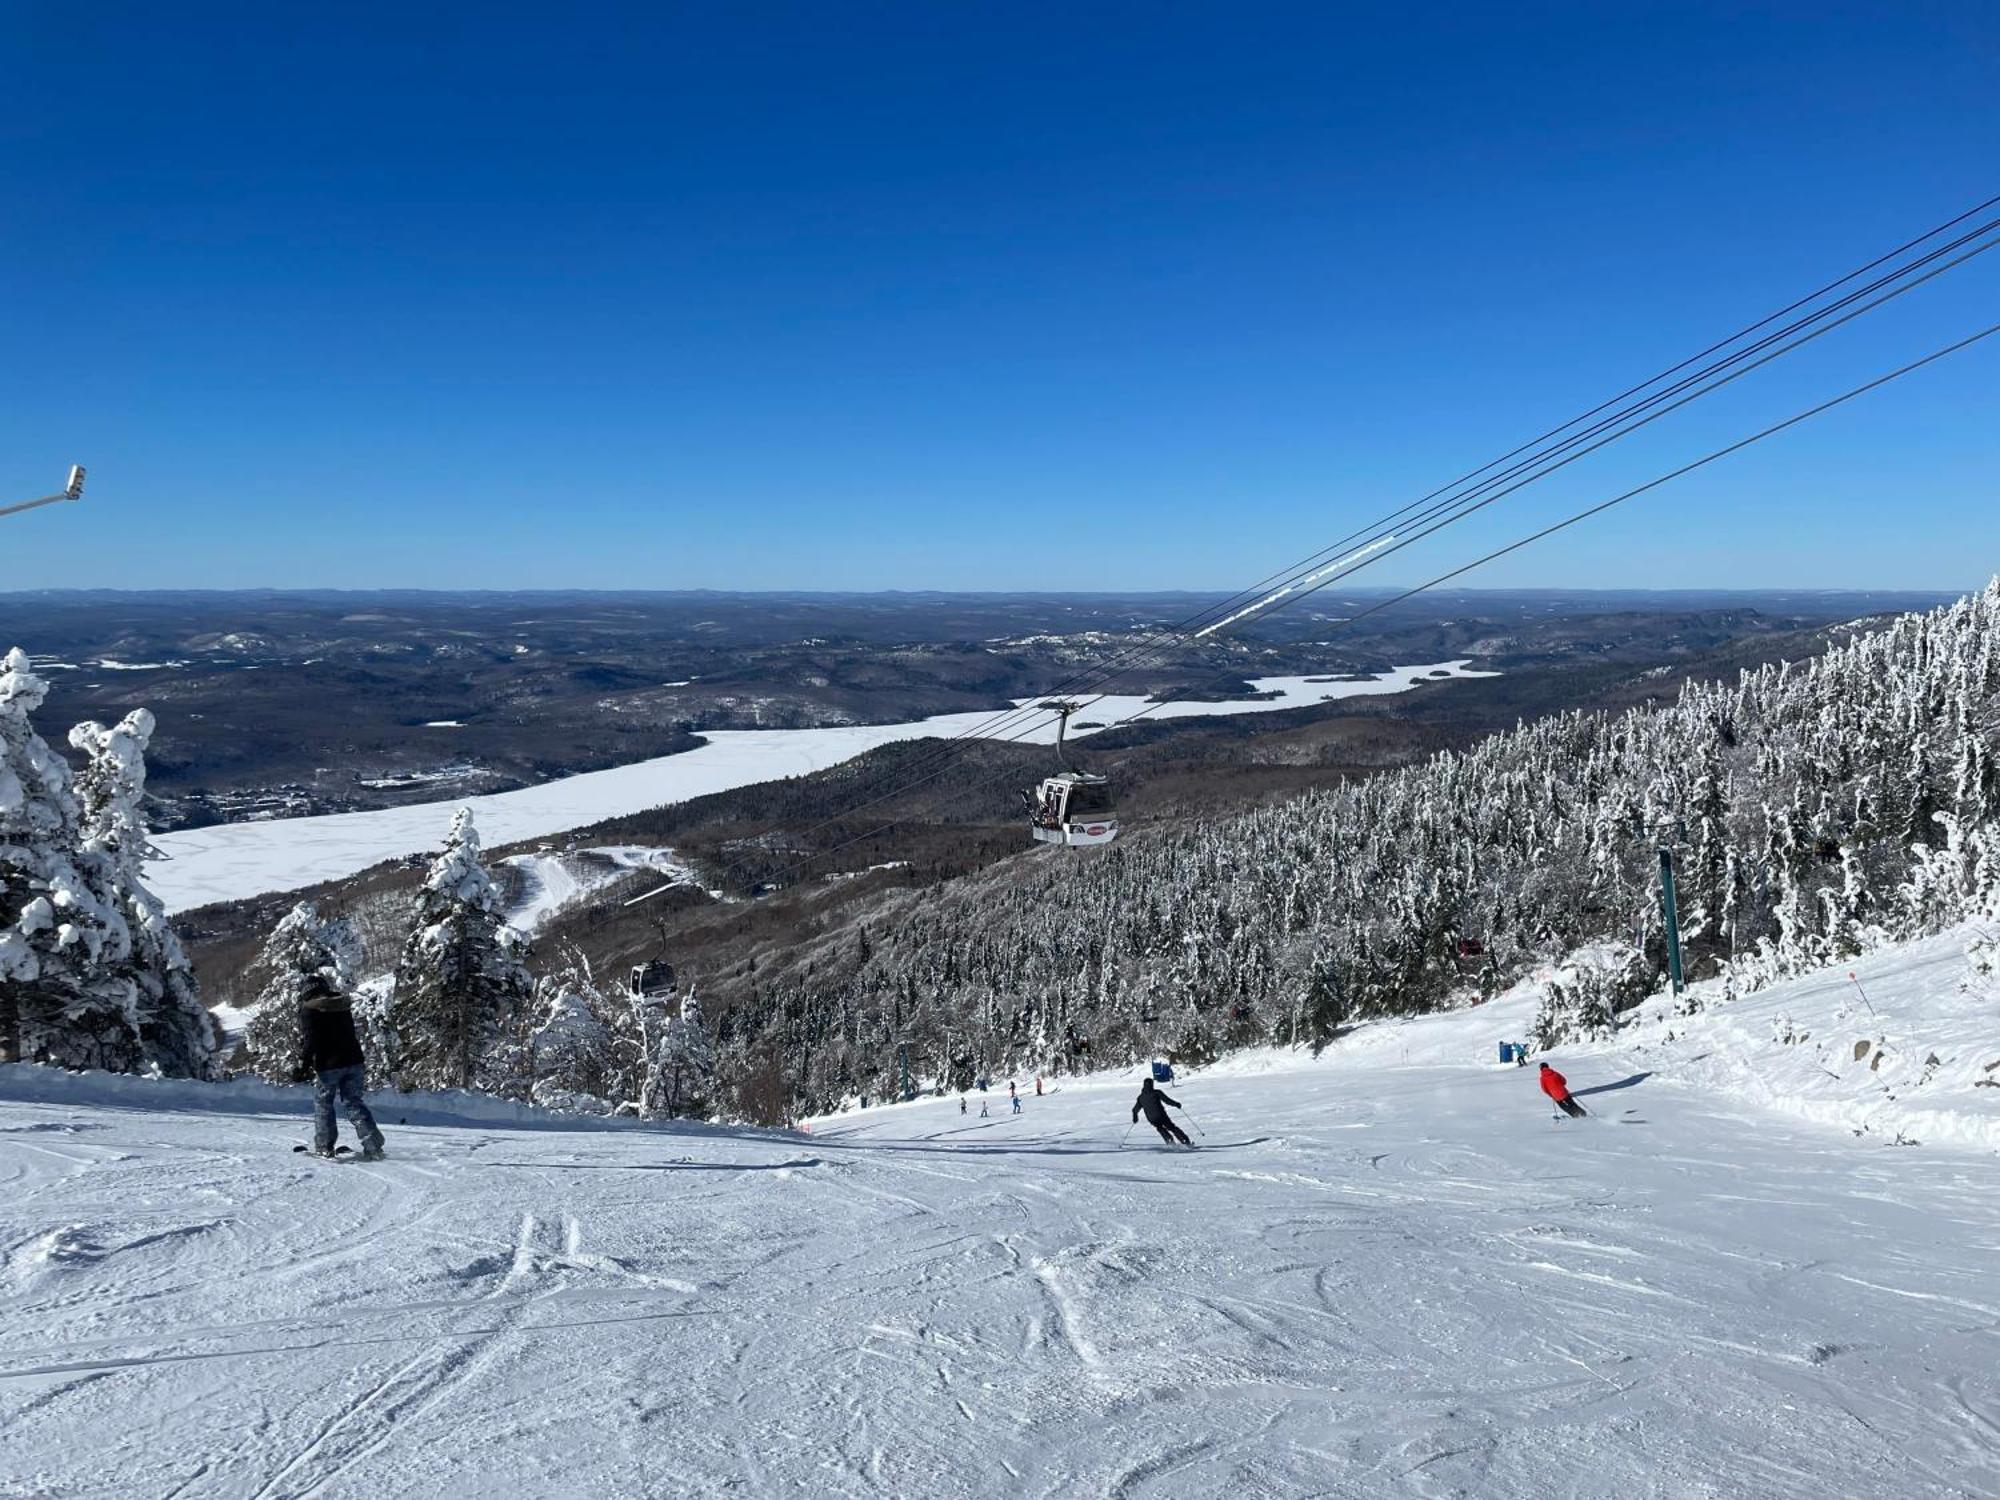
(938, 295)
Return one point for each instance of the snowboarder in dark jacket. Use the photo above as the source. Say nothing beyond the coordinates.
(331, 1052)
(1155, 1103)
(1557, 1088)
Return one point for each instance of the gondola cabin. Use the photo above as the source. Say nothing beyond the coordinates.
(1073, 807)
(652, 982)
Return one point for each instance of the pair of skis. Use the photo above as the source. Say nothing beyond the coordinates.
(1184, 1115)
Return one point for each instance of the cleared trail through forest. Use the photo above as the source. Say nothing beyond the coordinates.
(1368, 1281)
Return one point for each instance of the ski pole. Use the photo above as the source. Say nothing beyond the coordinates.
(1128, 1134)
(1190, 1119)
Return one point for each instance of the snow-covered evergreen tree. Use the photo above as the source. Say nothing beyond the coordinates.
(304, 952)
(576, 1052)
(176, 1032)
(458, 1015)
(681, 1080)
(1583, 997)
(66, 992)
(373, 1024)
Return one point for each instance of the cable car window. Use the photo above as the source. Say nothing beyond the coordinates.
(1088, 800)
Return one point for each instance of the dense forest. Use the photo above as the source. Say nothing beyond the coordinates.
(1811, 809)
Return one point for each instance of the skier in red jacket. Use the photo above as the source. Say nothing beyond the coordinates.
(1557, 1088)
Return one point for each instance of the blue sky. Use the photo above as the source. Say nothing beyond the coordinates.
(878, 296)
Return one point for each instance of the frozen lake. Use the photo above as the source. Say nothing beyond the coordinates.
(232, 861)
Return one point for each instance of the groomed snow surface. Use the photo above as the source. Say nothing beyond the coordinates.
(1387, 1272)
(552, 882)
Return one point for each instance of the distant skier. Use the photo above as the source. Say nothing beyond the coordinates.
(1038, 1085)
(331, 1052)
(1017, 1104)
(982, 1109)
(1155, 1103)
(961, 1104)
(1557, 1088)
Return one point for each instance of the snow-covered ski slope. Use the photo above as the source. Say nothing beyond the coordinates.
(1390, 1272)
(232, 861)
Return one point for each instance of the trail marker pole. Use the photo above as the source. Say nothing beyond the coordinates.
(1673, 916)
(1856, 980)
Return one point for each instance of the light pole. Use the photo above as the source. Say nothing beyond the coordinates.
(71, 491)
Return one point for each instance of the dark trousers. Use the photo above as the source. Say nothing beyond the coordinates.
(1169, 1131)
(1571, 1108)
(346, 1085)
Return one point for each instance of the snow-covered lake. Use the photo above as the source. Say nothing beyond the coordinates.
(1387, 1273)
(235, 860)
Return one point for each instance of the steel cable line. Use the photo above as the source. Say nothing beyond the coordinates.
(1398, 543)
(1458, 507)
(1622, 423)
(1653, 484)
(1131, 657)
(1532, 537)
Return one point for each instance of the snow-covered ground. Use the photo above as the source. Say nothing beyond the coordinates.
(1389, 1272)
(549, 882)
(554, 881)
(1902, 1044)
(235, 860)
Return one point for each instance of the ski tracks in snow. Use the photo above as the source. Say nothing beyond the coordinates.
(1417, 1289)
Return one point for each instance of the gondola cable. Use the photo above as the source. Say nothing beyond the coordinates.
(1198, 625)
(1531, 538)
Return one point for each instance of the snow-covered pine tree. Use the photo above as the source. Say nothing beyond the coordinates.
(373, 1001)
(681, 1081)
(574, 1050)
(65, 997)
(177, 1033)
(303, 951)
(1318, 1010)
(462, 992)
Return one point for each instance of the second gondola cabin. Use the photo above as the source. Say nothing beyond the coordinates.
(1071, 807)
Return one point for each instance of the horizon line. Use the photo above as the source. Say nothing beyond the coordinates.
(1755, 590)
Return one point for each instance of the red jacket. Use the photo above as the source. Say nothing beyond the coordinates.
(1554, 1084)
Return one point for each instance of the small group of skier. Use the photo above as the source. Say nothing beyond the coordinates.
(1013, 1095)
(1151, 1102)
(330, 1054)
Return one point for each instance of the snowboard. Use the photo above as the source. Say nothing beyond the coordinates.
(338, 1151)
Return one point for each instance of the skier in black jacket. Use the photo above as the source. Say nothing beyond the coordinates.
(1155, 1103)
(331, 1052)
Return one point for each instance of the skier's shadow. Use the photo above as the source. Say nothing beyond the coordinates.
(658, 1166)
(1604, 1088)
(1025, 1148)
